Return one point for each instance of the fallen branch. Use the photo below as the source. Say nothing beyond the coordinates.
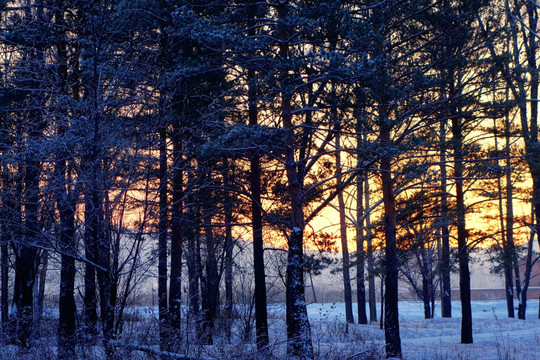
(151, 350)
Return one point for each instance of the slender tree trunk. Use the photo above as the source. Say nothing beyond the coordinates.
(463, 250)
(391, 314)
(426, 284)
(510, 212)
(372, 299)
(360, 254)
(343, 235)
(507, 258)
(27, 254)
(522, 307)
(68, 310)
(163, 226)
(229, 247)
(193, 254)
(381, 325)
(4, 256)
(446, 295)
(299, 345)
(175, 286)
(39, 297)
(90, 290)
(261, 316)
(211, 291)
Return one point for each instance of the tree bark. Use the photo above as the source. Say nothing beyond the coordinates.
(446, 295)
(299, 345)
(211, 290)
(347, 291)
(391, 314)
(360, 254)
(163, 227)
(372, 300)
(175, 286)
(261, 316)
(463, 249)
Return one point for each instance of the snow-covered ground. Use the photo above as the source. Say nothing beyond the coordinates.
(495, 335)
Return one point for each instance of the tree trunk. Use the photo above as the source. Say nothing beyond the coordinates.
(4, 256)
(229, 247)
(68, 310)
(446, 295)
(163, 226)
(360, 254)
(90, 293)
(391, 314)
(347, 291)
(175, 286)
(299, 345)
(26, 253)
(463, 250)
(40, 296)
(211, 290)
(261, 316)
(372, 298)
(193, 254)
(522, 307)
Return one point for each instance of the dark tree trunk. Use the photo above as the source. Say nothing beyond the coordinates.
(299, 343)
(193, 254)
(512, 255)
(371, 266)
(163, 227)
(23, 299)
(90, 291)
(522, 307)
(4, 257)
(40, 291)
(446, 294)
(229, 247)
(27, 254)
(347, 291)
(463, 249)
(261, 316)
(67, 307)
(211, 288)
(175, 290)
(426, 293)
(391, 315)
(360, 254)
(66, 201)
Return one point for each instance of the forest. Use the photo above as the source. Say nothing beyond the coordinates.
(198, 145)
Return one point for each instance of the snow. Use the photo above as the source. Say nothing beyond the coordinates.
(495, 335)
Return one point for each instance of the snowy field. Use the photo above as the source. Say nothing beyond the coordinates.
(495, 335)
